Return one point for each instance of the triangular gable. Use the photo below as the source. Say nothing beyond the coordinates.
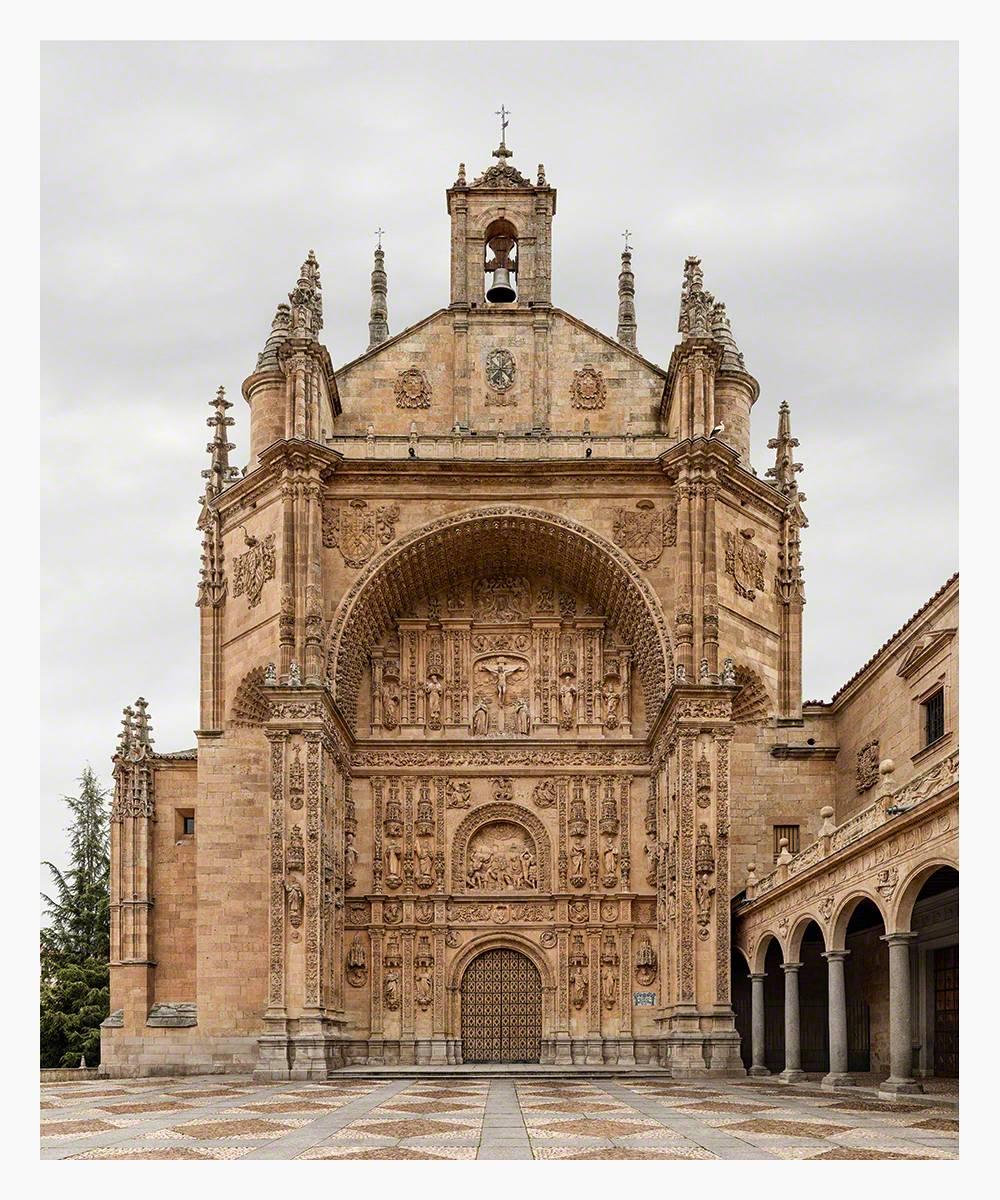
(922, 649)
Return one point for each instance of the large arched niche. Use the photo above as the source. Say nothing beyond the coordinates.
(506, 539)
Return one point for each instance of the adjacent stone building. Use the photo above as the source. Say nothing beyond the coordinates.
(502, 754)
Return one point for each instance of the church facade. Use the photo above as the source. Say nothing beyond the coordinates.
(502, 754)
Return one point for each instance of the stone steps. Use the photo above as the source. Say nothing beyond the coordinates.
(498, 1071)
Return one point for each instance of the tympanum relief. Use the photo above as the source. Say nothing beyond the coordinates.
(501, 858)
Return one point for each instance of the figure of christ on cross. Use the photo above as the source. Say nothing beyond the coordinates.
(501, 673)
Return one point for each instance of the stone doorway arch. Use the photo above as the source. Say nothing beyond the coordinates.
(501, 1008)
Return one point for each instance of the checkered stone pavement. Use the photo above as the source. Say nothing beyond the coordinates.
(229, 1117)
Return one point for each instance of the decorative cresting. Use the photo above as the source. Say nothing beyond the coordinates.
(502, 817)
(480, 542)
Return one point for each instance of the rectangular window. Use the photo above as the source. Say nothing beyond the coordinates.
(189, 826)
(789, 832)
(933, 708)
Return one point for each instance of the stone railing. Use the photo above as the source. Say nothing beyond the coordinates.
(888, 805)
(496, 446)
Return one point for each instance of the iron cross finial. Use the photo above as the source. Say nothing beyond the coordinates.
(503, 114)
(626, 235)
(378, 234)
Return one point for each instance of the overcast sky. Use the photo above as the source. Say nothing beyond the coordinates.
(183, 184)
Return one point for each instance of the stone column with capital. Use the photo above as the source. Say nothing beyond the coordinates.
(838, 1074)
(793, 1059)
(900, 1079)
(757, 1036)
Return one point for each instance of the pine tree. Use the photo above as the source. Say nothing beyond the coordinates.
(75, 944)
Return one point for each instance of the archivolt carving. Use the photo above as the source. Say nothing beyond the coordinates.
(520, 541)
(504, 814)
(250, 704)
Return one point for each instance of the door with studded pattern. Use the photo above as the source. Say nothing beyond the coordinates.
(501, 1009)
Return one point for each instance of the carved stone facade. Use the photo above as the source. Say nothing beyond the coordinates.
(474, 688)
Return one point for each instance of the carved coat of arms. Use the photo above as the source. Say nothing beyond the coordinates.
(358, 530)
(588, 390)
(641, 532)
(745, 563)
(413, 389)
(253, 568)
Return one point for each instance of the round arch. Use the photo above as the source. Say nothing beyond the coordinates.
(798, 933)
(483, 540)
(485, 815)
(837, 939)
(761, 949)
(502, 941)
(744, 956)
(901, 913)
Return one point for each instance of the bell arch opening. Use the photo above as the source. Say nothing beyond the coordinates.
(499, 541)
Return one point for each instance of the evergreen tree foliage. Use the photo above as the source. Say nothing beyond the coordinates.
(75, 943)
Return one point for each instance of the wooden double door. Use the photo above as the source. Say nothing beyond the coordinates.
(501, 1009)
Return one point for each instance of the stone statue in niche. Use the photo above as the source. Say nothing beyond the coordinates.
(522, 715)
(610, 862)
(481, 718)
(578, 856)
(423, 991)
(578, 986)
(501, 858)
(390, 705)
(612, 707)
(350, 860)
(435, 692)
(567, 703)
(425, 865)
(652, 851)
(393, 865)
(391, 990)
(609, 985)
(295, 898)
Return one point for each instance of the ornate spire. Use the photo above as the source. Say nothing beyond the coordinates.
(212, 586)
(732, 356)
(784, 471)
(306, 300)
(626, 298)
(695, 320)
(281, 327)
(378, 325)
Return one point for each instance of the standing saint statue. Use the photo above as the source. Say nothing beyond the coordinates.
(523, 714)
(481, 718)
(434, 692)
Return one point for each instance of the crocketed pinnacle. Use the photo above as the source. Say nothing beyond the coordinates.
(702, 316)
(378, 325)
(626, 302)
(219, 472)
(306, 300)
(281, 327)
(789, 575)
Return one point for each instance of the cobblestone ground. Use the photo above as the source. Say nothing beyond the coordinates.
(229, 1117)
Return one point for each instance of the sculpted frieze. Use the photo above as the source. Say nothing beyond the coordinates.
(503, 913)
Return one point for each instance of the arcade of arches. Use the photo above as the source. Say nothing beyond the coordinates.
(502, 754)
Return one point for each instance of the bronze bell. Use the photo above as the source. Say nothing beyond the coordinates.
(501, 291)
